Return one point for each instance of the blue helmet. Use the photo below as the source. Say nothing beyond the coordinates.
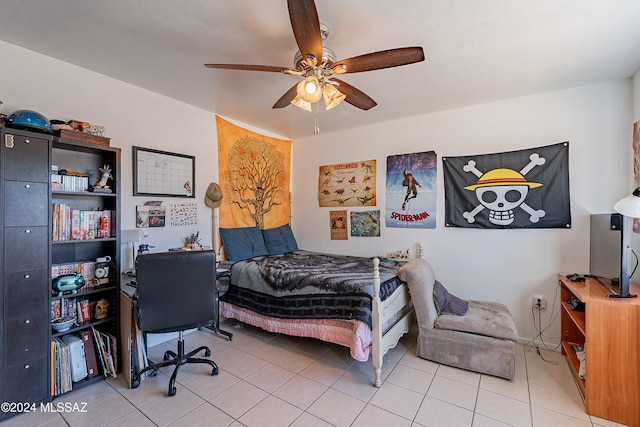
(30, 120)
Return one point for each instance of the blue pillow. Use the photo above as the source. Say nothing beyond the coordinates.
(279, 240)
(243, 243)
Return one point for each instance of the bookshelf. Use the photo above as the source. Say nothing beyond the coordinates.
(30, 257)
(83, 230)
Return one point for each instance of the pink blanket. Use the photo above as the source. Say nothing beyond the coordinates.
(354, 334)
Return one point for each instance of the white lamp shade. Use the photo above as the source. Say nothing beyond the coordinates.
(136, 235)
(332, 96)
(301, 103)
(309, 90)
(629, 206)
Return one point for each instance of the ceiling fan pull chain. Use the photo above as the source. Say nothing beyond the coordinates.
(316, 126)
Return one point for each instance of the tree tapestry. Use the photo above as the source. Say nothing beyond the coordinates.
(254, 173)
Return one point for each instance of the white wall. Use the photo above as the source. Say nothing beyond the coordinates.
(502, 265)
(132, 116)
(508, 266)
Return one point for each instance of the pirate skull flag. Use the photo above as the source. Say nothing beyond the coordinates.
(516, 189)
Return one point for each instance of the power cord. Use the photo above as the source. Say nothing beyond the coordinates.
(541, 331)
(636, 257)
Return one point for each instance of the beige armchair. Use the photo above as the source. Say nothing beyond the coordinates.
(482, 340)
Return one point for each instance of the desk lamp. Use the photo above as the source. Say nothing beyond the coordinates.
(132, 237)
(629, 207)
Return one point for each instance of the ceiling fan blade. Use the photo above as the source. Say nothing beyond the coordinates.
(245, 67)
(382, 59)
(306, 27)
(355, 96)
(286, 98)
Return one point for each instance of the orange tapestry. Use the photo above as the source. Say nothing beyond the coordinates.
(254, 175)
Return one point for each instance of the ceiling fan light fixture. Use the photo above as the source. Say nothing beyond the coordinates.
(309, 90)
(332, 96)
(301, 103)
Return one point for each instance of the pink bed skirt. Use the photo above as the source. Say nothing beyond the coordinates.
(354, 334)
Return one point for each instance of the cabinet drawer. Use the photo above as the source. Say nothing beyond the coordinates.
(27, 381)
(26, 248)
(26, 203)
(26, 293)
(26, 338)
(26, 158)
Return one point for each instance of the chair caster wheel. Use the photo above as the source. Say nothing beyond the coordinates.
(135, 383)
(172, 391)
(207, 353)
(166, 356)
(214, 371)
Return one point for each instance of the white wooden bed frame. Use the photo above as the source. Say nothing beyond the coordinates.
(382, 311)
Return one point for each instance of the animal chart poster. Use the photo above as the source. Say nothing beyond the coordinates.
(411, 190)
(347, 184)
(517, 189)
(254, 175)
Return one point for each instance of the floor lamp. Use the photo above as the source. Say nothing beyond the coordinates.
(629, 207)
(132, 237)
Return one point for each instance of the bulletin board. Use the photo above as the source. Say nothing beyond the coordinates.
(160, 173)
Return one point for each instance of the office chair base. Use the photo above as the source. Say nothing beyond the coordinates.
(178, 359)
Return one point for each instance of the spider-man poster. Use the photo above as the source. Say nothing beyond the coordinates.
(411, 190)
(516, 189)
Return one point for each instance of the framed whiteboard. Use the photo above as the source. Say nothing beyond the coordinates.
(160, 173)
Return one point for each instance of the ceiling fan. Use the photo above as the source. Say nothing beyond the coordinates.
(317, 64)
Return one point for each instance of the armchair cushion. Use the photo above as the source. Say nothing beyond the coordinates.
(490, 319)
(420, 278)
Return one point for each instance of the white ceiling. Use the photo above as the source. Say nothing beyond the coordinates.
(476, 50)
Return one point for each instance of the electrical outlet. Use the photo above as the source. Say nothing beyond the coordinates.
(538, 300)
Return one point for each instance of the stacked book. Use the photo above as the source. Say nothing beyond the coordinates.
(86, 269)
(99, 351)
(76, 224)
(70, 183)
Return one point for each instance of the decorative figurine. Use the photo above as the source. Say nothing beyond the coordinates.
(67, 283)
(101, 309)
(104, 178)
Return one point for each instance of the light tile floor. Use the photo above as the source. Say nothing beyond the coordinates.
(273, 380)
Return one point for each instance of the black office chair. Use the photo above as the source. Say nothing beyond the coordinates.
(176, 292)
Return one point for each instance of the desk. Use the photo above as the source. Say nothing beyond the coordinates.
(222, 284)
(132, 343)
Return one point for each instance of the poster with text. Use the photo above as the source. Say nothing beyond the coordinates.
(347, 184)
(338, 225)
(411, 190)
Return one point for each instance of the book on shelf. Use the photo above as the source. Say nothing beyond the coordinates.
(56, 309)
(83, 311)
(61, 377)
(73, 183)
(109, 348)
(90, 353)
(85, 268)
(77, 224)
(96, 339)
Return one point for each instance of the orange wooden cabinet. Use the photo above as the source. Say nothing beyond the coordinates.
(609, 331)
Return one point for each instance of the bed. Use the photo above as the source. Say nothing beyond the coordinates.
(356, 302)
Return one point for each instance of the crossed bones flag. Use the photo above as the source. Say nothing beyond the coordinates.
(516, 189)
